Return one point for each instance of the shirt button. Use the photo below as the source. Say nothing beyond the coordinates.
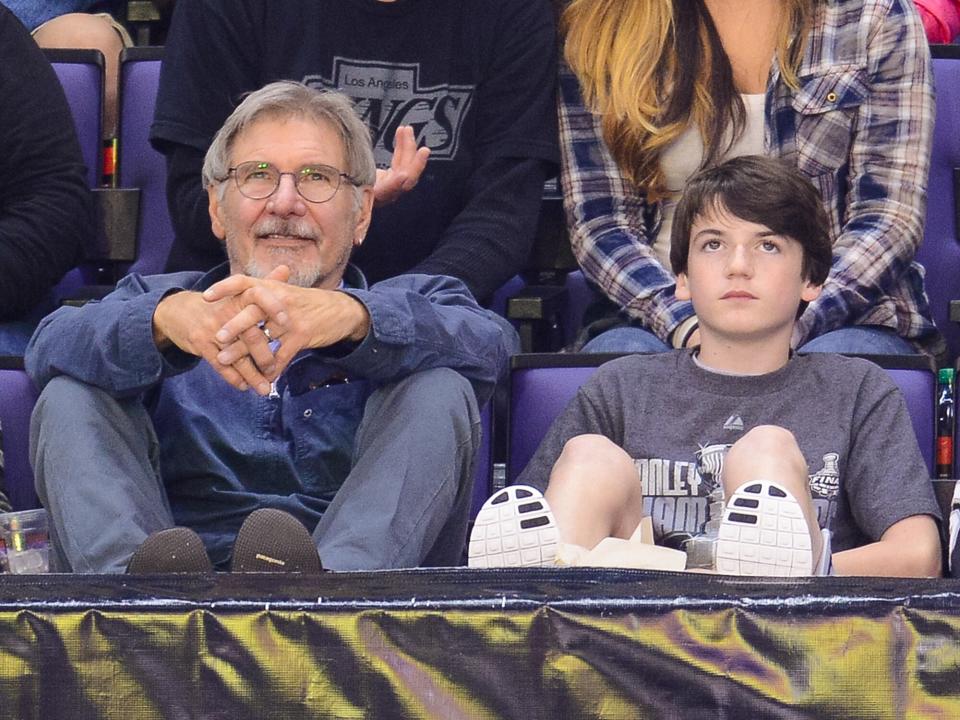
(307, 413)
(831, 96)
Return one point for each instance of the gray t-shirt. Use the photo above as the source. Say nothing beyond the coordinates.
(677, 421)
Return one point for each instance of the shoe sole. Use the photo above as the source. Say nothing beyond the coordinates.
(274, 541)
(174, 550)
(763, 532)
(514, 528)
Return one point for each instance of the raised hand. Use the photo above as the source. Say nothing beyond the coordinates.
(406, 166)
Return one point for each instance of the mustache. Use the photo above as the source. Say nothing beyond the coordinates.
(280, 226)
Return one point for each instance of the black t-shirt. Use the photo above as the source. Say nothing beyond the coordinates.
(475, 79)
(46, 210)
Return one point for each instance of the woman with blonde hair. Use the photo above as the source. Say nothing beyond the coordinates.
(653, 90)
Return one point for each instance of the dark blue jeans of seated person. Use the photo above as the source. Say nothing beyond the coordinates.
(863, 339)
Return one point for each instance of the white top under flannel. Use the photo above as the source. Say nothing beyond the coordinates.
(860, 126)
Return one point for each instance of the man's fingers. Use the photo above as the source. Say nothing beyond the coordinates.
(251, 375)
(418, 165)
(238, 284)
(251, 345)
(251, 316)
(233, 285)
(281, 273)
(227, 372)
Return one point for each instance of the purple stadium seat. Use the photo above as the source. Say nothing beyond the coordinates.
(940, 251)
(138, 164)
(81, 74)
(17, 396)
(541, 385)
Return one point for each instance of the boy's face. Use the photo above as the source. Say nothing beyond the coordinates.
(744, 280)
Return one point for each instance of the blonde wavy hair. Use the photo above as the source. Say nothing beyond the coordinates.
(650, 68)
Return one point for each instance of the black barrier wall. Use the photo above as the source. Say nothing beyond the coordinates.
(574, 643)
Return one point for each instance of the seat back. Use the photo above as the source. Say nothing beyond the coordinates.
(138, 164)
(81, 74)
(17, 397)
(541, 385)
(940, 250)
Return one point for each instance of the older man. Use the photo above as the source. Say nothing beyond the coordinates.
(348, 407)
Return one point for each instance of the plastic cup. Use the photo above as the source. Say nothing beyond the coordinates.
(26, 542)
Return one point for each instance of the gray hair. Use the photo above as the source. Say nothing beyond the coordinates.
(287, 99)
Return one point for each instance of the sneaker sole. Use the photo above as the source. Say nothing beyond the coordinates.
(514, 528)
(763, 532)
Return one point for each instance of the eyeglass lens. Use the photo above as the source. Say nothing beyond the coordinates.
(258, 180)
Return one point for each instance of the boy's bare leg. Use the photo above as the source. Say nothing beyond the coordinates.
(770, 452)
(594, 492)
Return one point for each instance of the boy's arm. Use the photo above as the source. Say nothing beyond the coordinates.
(887, 484)
(909, 548)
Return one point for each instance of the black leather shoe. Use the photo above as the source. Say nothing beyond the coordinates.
(271, 540)
(174, 550)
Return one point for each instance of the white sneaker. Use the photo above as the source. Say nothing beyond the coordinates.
(514, 528)
(764, 532)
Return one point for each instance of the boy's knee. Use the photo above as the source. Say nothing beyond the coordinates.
(768, 451)
(594, 460)
(765, 439)
(591, 450)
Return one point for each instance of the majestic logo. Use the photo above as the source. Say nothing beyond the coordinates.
(390, 95)
(734, 422)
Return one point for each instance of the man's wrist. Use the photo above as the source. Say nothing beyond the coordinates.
(361, 324)
(159, 322)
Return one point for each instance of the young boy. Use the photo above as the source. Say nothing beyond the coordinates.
(793, 443)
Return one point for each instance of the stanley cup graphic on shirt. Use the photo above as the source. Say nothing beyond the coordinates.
(826, 481)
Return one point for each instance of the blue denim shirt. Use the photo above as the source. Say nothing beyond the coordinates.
(225, 453)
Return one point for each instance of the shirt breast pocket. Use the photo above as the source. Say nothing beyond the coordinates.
(827, 105)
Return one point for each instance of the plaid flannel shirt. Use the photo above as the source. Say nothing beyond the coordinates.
(860, 126)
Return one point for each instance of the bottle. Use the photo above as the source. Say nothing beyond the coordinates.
(945, 423)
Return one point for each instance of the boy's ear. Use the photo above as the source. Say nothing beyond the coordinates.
(682, 291)
(810, 292)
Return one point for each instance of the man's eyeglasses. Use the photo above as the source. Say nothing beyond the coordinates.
(259, 180)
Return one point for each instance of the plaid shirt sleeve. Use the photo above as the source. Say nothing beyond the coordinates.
(611, 224)
(881, 215)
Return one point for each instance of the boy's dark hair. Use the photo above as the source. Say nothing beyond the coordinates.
(762, 190)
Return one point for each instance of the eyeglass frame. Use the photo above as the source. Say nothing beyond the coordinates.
(295, 174)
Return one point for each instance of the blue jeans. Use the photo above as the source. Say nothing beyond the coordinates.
(405, 502)
(862, 339)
